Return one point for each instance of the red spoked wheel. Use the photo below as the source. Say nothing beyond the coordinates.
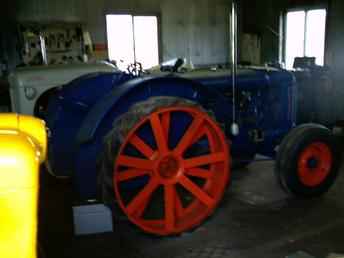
(181, 186)
(315, 164)
(308, 161)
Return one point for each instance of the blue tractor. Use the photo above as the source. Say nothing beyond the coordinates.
(161, 145)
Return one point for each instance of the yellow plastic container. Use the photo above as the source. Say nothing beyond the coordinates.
(23, 145)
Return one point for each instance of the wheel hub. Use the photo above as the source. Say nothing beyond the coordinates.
(168, 167)
(312, 163)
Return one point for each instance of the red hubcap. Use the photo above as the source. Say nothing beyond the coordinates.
(192, 184)
(314, 164)
(168, 167)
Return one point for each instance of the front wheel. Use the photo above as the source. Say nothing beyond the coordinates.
(308, 161)
(167, 162)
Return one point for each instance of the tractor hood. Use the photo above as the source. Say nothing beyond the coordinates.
(247, 77)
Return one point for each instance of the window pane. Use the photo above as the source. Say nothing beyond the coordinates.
(294, 36)
(120, 39)
(146, 40)
(315, 35)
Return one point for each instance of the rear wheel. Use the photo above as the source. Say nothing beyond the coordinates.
(308, 161)
(166, 165)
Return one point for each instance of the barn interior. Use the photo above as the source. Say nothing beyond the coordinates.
(176, 129)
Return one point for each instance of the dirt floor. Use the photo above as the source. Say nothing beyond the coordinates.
(255, 219)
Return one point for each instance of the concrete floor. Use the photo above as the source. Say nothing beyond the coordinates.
(255, 219)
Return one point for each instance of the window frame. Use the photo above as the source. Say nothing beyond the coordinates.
(133, 14)
(283, 26)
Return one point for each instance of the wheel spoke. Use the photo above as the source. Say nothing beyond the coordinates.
(166, 121)
(199, 172)
(187, 139)
(140, 145)
(130, 174)
(159, 133)
(170, 194)
(141, 208)
(204, 160)
(202, 131)
(199, 193)
(141, 200)
(132, 162)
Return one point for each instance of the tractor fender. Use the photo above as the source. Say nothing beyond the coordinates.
(123, 96)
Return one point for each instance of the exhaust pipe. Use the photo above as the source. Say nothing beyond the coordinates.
(234, 63)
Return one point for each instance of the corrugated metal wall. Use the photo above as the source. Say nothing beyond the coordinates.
(196, 29)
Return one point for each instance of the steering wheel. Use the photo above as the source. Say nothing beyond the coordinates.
(135, 68)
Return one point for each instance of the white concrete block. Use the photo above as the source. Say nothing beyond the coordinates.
(92, 219)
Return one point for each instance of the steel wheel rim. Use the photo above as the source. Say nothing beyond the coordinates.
(320, 155)
(168, 168)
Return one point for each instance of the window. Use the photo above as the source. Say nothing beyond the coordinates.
(133, 39)
(305, 35)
